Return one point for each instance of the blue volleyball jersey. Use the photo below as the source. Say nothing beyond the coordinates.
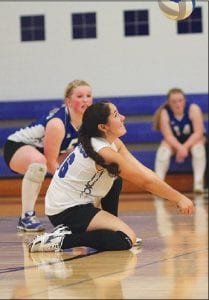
(34, 133)
(182, 129)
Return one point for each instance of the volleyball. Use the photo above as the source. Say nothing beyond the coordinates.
(177, 9)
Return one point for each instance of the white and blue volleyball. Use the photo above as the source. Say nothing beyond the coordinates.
(177, 9)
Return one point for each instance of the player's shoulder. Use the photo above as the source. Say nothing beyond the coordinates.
(194, 107)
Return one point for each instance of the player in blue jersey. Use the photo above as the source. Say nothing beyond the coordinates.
(88, 174)
(41, 146)
(182, 127)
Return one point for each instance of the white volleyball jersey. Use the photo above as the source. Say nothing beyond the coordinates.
(77, 181)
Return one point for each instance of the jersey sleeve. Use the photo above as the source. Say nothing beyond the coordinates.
(99, 143)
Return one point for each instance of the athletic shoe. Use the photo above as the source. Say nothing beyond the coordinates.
(49, 242)
(30, 222)
(138, 242)
(60, 229)
(137, 247)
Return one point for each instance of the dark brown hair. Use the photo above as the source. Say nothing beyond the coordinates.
(94, 115)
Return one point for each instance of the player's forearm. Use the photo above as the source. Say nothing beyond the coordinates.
(149, 181)
(193, 139)
(160, 188)
(173, 142)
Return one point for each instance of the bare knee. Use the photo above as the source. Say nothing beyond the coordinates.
(25, 156)
(105, 220)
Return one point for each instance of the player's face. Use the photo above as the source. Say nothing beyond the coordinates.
(80, 99)
(115, 126)
(177, 103)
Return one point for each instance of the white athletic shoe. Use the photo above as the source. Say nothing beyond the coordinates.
(49, 242)
(137, 247)
(60, 229)
(138, 242)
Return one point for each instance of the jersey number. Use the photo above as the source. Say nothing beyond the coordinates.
(63, 169)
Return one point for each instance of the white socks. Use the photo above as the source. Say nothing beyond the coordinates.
(199, 164)
(162, 161)
(198, 153)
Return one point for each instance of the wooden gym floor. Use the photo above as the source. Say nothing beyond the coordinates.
(172, 264)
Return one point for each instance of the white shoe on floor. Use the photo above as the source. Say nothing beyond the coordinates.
(137, 247)
(138, 242)
(49, 242)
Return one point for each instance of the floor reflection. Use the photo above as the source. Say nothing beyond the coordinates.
(173, 263)
(61, 275)
(185, 241)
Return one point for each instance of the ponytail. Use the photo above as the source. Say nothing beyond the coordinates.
(96, 114)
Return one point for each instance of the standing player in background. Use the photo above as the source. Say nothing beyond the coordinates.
(41, 147)
(182, 127)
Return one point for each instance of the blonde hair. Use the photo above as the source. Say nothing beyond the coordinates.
(156, 117)
(72, 85)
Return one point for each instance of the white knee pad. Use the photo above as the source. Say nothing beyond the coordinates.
(198, 151)
(36, 172)
(163, 154)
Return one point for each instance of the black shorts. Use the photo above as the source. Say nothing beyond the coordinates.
(77, 218)
(11, 147)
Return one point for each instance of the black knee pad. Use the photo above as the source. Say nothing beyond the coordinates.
(101, 240)
(113, 240)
